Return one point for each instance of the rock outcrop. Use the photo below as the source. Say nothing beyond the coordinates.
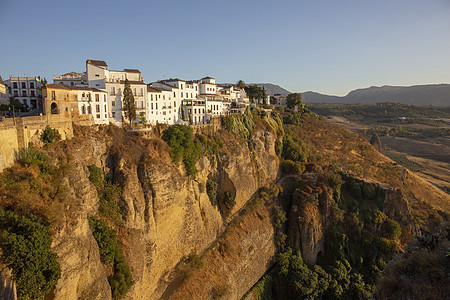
(166, 214)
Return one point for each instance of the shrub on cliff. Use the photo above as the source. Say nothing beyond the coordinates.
(50, 135)
(31, 156)
(229, 200)
(292, 167)
(109, 195)
(211, 190)
(111, 252)
(293, 149)
(106, 239)
(25, 242)
(180, 139)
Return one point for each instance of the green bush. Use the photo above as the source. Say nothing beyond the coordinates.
(121, 280)
(109, 195)
(278, 147)
(31, 156)
(211, 190)
(293, 149)
(392, 229)
(180, 139)
(111, 252)
(292, 167)
(50, 135)
(106, 239)
(109, 202)
(229, 200)
(96, 176)
(25, 243)
(279, 217)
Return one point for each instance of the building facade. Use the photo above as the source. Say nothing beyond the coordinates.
(28, 90)
(74, 101)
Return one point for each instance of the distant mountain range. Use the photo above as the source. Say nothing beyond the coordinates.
(272, 89)
(432, 94)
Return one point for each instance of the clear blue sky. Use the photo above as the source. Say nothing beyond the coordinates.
(326, 46)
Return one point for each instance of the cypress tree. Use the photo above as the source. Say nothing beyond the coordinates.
(128, 103)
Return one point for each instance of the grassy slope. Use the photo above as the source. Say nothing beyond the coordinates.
(331, 144)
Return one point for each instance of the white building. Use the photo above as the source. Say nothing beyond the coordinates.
(72, 79)
(99, 76)
(94, 102)
(28, 90)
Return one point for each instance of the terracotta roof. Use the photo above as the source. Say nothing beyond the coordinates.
(173, 79)
(132, 70)
(71, 88)
(152, 89)
(167, 85)
(98, 63)
(74, 74)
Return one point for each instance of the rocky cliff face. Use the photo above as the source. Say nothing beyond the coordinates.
(166, 215)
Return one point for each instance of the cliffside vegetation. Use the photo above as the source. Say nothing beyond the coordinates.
(32, 194)
(110, 251)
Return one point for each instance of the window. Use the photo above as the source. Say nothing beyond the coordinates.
(181, 86)
(152, 105)
(113, 103)
(142, 92)
(174, 94)
(105, 107)
(83, 95)
(106, 116)
(97, 108)
(97, 75)
(181, 94)
(174, 104)
(151, 97)
(135, 91)
(71, 83)
(113, 114)
(24, 85)
(53, 95)
(97, 97)
(16, 94)
(97, 84)
(32, 94)
(142, 104)
(104, 98)
(31, 85)
(97, 116)
(83, 110)
(156, 106)
(113, 91)
(15, 85)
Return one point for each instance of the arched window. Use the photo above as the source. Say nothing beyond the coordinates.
(54, 108)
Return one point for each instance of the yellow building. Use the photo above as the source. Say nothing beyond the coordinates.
(60, 99)
(4, 95)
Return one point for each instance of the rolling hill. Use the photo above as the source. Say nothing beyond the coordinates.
(432, 94)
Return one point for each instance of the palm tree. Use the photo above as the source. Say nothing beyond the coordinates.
(240, 84)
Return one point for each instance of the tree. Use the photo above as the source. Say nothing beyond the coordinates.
(254, 92)
(293, 100)
(264, 95)
(128, 103)
(240, 84)
(143, 118)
